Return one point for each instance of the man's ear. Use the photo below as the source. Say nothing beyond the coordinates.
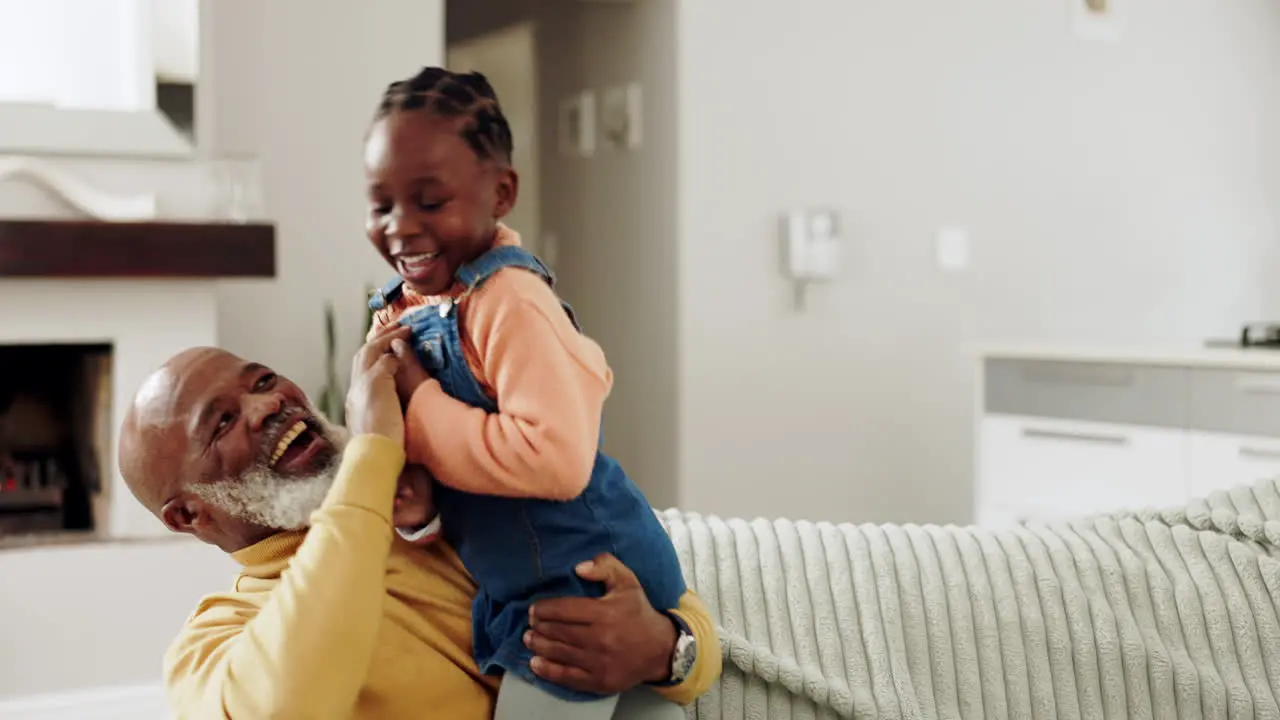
(508, 189)
(185, 514)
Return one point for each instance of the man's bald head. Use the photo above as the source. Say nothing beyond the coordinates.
(226, 449)
(151, 442)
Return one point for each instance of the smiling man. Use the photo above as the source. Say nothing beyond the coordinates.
(333, 615)
(282, 472)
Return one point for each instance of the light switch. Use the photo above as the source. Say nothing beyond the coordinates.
(953, 248)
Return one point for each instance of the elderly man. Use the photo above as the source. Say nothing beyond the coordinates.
(333, 615)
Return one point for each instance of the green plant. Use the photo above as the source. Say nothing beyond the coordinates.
(332, 399)
(331, 396)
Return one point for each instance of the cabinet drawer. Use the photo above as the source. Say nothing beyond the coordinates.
(1221, 462)
(1236, 402)
(1098, 392)
(1054, 469)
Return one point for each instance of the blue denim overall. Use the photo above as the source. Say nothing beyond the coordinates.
(521, 550)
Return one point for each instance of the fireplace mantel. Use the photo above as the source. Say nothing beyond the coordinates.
(106, 250)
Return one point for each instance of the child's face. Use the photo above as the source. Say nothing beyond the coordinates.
(433, 204)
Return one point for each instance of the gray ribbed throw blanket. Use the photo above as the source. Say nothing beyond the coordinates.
(1153, 614)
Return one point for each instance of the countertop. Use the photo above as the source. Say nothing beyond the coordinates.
(1231, 358)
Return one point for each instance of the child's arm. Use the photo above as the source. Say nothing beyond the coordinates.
(550, 381)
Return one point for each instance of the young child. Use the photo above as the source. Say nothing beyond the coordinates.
(505, 409)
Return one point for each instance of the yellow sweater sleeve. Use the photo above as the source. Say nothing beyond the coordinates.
(305, 652)
(706, 669)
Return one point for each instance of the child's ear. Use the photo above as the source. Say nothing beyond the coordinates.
(507, 191)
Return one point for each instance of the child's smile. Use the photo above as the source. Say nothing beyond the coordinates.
(416, 268)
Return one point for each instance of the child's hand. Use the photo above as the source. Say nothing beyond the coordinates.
(413, 505)
(410, 373)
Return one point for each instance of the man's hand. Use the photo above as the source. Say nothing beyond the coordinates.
(410, 373)
(372, 405)
(605, 645)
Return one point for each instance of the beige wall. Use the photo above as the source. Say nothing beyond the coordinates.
(1115, 193)
(297, 86)
(619, 242)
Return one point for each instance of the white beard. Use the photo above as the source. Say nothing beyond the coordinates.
(266, 498)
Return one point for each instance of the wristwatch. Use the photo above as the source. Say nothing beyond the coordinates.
(686, 652)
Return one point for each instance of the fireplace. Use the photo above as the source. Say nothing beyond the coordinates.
(55, 415)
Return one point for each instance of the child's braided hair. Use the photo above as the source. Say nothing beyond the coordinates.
(456, 95)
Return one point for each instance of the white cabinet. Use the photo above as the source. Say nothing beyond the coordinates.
(1070, 434)
(1219, 461)
(1049, 468)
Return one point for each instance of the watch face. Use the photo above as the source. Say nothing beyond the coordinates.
(685, 655)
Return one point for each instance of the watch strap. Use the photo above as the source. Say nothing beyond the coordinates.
(684, 637)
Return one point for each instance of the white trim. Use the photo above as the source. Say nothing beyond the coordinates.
(127, 702)
(175, 40)
(48, 130)
(83, 196)
(413, 536)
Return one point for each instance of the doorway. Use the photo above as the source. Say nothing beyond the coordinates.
(508, 58)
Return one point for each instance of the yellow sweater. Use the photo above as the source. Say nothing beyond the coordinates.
(347, 620)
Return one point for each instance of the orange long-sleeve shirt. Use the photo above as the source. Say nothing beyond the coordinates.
(549, 380)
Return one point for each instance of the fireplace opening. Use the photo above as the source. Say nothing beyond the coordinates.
(55, 405)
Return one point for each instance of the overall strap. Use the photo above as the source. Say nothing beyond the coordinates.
(387, 294)
(474, 273)
(482, 268)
